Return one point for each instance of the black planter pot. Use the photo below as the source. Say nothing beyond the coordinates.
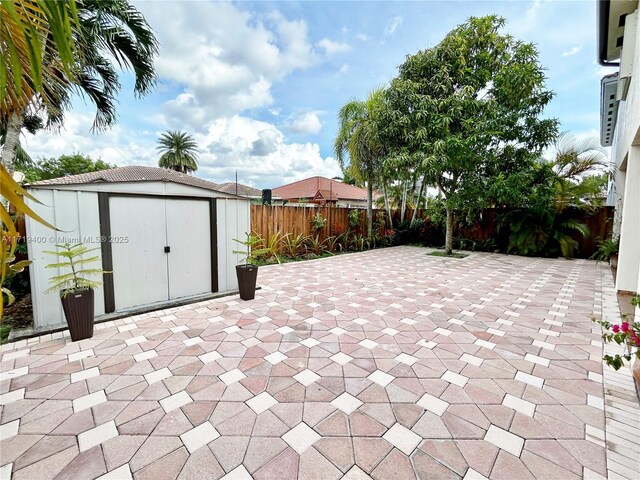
(78, 309)
(247, 276)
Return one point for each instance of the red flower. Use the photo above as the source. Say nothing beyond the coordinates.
(615, 328)
(624, 327)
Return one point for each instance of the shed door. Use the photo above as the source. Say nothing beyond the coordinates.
(138, 231)
(189, 236)
(142, 229)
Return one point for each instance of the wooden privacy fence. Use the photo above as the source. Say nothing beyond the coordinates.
(267, 220)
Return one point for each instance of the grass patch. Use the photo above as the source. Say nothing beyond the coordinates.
(439, 253)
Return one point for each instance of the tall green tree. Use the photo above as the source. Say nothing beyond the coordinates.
(110, 35)
(178, 151)
(358, 145)
(469, 109)
(47, 168)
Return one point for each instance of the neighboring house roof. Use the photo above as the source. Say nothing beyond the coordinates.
(326, 195)
(132, 173)
(244, 190)
(309, 187)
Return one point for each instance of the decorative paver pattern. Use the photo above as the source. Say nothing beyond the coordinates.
(383, 364)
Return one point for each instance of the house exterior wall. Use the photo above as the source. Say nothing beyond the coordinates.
(625, 154)
(73, 209)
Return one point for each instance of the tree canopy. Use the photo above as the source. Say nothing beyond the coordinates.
(468, 111)
(47, 168)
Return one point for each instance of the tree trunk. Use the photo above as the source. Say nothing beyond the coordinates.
(448, 244)
(370, 209)
(387, 207)
(418, 200)
(403, 208)
(10, 147)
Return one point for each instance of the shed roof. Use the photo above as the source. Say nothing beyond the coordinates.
(244, 190)
(133, 173)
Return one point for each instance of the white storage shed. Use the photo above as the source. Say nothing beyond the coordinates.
(164, 235)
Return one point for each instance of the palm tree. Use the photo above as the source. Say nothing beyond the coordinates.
(570, 190)
(575, 160)
(28, 28)
(107, 34)
(358, 141)
(179, 152)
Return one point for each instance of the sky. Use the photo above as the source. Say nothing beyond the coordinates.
(259, 84)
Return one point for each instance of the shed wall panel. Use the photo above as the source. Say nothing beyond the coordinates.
(75, 215)
(233, 222)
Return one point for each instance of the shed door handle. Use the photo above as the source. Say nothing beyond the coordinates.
(167, 249)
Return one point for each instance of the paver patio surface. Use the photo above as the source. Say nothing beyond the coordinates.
(388, 364)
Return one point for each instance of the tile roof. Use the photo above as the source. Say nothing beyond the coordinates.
(244, 190)
(133, 173)
(308, 188)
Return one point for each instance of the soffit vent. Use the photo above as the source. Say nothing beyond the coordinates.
(608, 109)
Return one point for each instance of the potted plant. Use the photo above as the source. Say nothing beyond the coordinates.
(626, 333)
(75, 287)
(247, 271)
(607, 251)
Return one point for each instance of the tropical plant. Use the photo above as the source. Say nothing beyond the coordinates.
(318, 222)
(38, 57)
(27, 29)
(179, 152)
(315, 246)
(294, 246)
(358, 143)
(353, 217)
(14, 195)
(270, 247)
(334, 243)
(250, 254)
(107, 34)
(467, 111)
(606, 248)
(359, 243)
(77, 274)
(560, 191)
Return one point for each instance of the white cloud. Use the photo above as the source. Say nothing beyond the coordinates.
(226, 59)
(344, 68)
(257, 150)
(572, 51)
(332, 47)
(306, 123)
(362, 37)
(391, 26)
(116, 145)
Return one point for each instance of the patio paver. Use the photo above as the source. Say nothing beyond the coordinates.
(383, 364)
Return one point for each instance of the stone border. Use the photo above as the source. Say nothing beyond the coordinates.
(31, 332)
(621, 403)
